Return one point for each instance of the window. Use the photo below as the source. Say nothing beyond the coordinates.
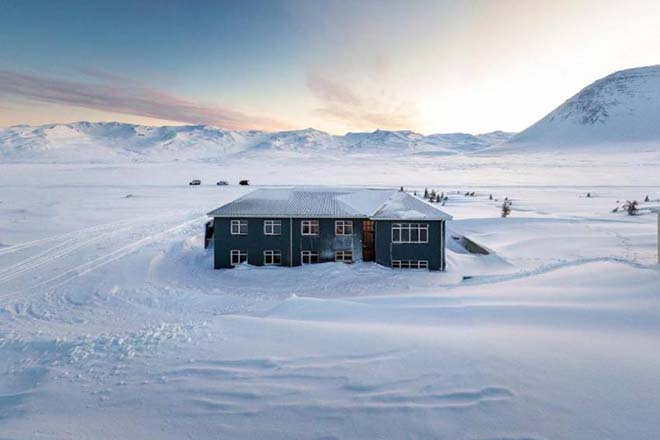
(238, 257)
(239, 227)
(343, 227)
(309, 257)
(272, 258)
(410, 264)
(309, 227)
(272, 227)
(344, 256)
(410, 233)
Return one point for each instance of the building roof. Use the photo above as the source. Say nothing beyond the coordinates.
(302, 202)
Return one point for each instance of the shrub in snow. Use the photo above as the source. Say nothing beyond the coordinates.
(588, 195)
(646, 199)
(506, 208)
(631, 207)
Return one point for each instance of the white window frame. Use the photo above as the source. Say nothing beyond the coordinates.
(239, 227)
(269, 258)
(270, 225)
(343, 227)
(239, 254)
(402, 229)
(311, 225)
(410, 264)
(344, 256)
(308, 254)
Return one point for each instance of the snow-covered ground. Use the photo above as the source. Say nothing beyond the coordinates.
(113, 323)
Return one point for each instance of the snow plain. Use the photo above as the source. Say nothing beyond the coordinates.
(113, 323)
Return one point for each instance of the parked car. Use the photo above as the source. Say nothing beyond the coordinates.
(244, 182)
(222, 183)
(195, 182)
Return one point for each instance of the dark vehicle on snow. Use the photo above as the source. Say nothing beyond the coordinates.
(195, 182)
(244, 182)
(222, 183)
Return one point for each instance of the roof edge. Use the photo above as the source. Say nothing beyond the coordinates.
(210, 214)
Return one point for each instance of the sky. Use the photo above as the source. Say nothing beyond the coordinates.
(339, 66)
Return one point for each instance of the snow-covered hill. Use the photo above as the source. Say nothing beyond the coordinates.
(112, 141)
(623, 107)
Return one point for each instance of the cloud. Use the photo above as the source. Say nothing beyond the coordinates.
(366, 109)
(332, 92)
(110, 93)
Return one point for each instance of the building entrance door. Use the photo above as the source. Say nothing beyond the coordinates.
(368, 240)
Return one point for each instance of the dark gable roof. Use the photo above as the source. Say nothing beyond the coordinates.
(378, 204)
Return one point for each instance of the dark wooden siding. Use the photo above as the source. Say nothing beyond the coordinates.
(326, 243)
(256, 242)
(433, 251)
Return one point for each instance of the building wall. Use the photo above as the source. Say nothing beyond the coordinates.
(433, 251)
(256, 242)
(326, 243)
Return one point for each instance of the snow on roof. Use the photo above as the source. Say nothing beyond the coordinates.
(402, 206)
(379, 204)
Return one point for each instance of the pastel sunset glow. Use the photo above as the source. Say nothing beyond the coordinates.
(437, 66)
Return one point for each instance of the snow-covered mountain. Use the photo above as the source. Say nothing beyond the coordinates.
(113, 141)
(623, 107)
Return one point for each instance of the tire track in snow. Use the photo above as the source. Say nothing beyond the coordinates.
(18, 247)
(61, 250)
(33, 263)
(96, 263)
(36, 257)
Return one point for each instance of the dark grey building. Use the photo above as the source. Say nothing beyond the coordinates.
(294, 226)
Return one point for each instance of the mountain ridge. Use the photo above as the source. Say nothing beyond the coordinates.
(622, 107)
(83, 141)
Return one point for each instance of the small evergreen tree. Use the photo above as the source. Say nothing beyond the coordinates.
(588, 195)
(646, 199)
(426, 193)
(490, 197)
(401, 189)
